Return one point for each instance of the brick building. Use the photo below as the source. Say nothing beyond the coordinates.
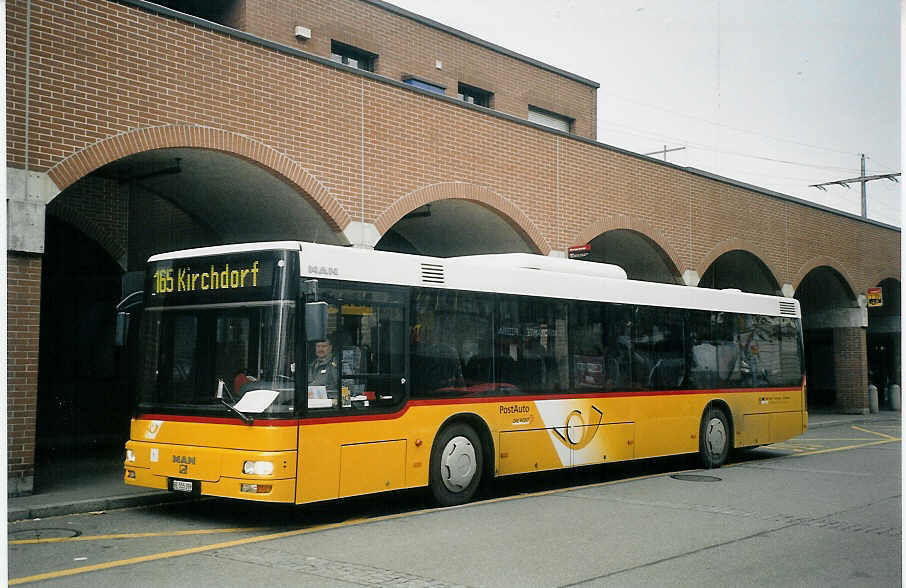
(353, 122)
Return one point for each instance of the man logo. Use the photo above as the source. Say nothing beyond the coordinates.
(321, 270)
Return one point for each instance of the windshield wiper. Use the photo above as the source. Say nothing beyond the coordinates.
(221, 387)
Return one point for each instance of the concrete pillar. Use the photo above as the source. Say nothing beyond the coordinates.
(851, 369)
(23, 322)
(691, 277)
(27, 197)
(359, 234)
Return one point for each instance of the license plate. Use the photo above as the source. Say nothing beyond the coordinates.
(182, 485)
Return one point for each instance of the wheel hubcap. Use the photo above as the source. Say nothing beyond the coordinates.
(716, 436)
(457, 464)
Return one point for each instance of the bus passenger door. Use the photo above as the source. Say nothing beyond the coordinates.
(356, 376)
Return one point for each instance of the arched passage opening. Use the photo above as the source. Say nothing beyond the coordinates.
(834, 341)
(102, 228)
(451, 227)
(639, 256)
(83, 407)
(884, 343)
(740, 269)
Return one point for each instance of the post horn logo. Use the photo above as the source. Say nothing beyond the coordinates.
(575, 432)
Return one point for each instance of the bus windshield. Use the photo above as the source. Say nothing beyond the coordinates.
(189, 350)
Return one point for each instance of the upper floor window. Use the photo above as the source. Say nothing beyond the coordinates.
(474, 95)
(549, 119)
(352, 56)
(418, 83)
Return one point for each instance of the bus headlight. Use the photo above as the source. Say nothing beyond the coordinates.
(258, 468)
(130, 455)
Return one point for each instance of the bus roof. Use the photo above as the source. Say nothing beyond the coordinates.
(507, 273)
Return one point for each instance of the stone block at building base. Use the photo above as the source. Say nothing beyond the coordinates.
(853, 411)
(19, 486)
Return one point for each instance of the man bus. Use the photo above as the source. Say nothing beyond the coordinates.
(442, 372)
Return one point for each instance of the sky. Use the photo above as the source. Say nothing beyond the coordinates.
(780, 94)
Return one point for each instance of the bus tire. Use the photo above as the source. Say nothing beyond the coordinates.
(456, 465)
(714, 440)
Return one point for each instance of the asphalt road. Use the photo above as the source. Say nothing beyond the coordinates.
(821, 510)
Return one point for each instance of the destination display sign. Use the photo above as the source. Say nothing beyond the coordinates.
(256, 275)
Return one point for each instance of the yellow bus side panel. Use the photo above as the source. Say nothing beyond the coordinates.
(372, 467)
(753, 429)
(785, 425)
(617, 442)
(347, 457)
(529, 451)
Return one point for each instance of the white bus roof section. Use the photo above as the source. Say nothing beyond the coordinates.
(507, 273)
(226, 249)
(542, 263)
(529, 275)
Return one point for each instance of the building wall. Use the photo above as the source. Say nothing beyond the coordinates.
(850, 369)
(408, 47)
(22, 316)
(99, 208)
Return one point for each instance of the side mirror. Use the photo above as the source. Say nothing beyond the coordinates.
(220, 386)
(315, 321)
(122, 329)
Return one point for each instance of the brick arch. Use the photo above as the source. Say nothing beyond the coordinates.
(464, 191)
(79, 164)
(735, 244)
(883, 275)
(824, 260)
(632, 223)
(109, 243)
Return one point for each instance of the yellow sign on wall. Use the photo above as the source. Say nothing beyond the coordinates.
(875, 298)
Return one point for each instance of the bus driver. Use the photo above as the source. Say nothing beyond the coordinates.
(323, 369)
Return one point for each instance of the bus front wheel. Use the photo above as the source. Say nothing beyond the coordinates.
(714, 438)
(456, 465)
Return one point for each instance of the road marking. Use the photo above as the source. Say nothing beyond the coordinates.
(296, 532)
(330, 526)
(135, 535)
(811, 471)
(169, 554)
(844, 448)
(885, 435)
(838, 439)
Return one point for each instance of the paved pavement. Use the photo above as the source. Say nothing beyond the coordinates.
(96, 484)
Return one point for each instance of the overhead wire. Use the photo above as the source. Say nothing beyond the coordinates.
(725, 126)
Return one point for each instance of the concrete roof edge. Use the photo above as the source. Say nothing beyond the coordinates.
(480, 42)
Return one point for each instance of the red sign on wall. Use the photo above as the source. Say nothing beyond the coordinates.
(578, 251)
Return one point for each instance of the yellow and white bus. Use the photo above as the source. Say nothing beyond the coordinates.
(297, 372)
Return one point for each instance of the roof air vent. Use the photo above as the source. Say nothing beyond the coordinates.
(432, 273)
(787, 308)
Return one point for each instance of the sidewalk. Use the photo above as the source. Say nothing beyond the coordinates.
(96, 483)
(91, 484)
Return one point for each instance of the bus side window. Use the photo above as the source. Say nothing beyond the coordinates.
(618, 342)
(790, 349)
(593, 365)
(701, 352)
(730, 335)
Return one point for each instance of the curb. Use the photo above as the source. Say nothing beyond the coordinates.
(853, 421)
(92, 505)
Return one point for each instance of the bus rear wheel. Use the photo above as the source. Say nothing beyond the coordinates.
(456, 465)
(714, 438)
